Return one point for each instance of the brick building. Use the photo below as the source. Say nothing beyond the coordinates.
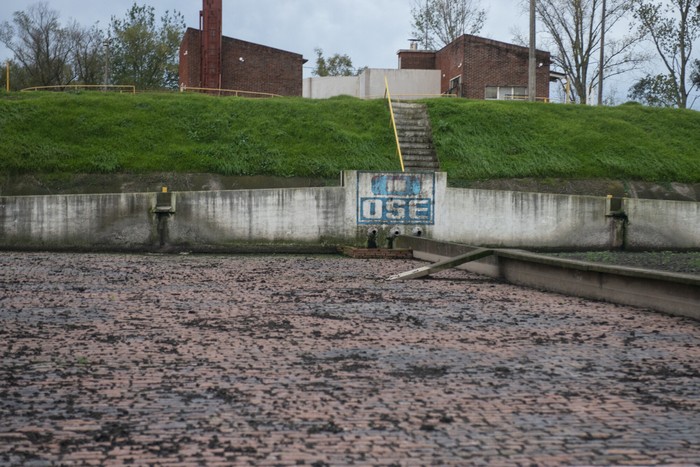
(479, 68)
(210, 60)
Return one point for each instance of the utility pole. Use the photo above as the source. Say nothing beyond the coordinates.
(106, 52)
(532, 68)
(7, 76)
(426, 26)
(601, 73)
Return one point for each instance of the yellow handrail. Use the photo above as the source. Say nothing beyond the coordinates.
(235, 92)
(62, 87)
(393, 123)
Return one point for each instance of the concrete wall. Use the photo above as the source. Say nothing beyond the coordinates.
(403, 84)
(302, 215)
(676, 294)
(323, 87)
(119, 221)
(655, 224)
(523, 220)
(365, 201)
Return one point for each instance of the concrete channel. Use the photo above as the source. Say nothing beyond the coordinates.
(672, 293)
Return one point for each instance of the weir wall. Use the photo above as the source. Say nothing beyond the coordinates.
(386, 202)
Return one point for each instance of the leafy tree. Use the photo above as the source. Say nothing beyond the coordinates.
(335, 65)
(656, 91)
(42, 48)
(696, 73)
(142, 53)
(437, 23)
(672, 26)
(575, 27)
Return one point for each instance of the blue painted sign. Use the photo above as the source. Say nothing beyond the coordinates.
(396, 198)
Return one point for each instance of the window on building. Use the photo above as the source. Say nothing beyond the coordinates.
(503, 93)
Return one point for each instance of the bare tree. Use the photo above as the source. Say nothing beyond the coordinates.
(436, 23)
(88, 54)
(41, 47)
(575, 28)
(672, 26)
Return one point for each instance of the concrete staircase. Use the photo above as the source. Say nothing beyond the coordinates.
(415, 137)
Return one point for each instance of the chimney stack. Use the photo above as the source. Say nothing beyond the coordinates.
(210, 24)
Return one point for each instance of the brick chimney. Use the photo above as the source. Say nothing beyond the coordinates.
(210, 21)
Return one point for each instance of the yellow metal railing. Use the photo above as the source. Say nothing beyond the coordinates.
(393, 123)
(62, 87)
(234, 92)
(516, 97)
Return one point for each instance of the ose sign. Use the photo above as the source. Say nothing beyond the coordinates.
(396, 198)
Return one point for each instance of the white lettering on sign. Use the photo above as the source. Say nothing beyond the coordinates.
(396, 198)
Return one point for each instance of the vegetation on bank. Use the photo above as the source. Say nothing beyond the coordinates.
(109, 133)
(486, 140)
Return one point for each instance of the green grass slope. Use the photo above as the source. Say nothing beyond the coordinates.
(476, 140)
(487, 139)
(98, 133)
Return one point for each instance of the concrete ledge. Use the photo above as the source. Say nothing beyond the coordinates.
(675, 294)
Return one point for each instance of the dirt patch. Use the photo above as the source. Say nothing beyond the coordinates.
(604, 187)
(61, 183)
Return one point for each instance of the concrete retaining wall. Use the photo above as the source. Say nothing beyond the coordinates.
(523, 220)
(304, 215)
(119, 221)
(657, 224)
(410, 203)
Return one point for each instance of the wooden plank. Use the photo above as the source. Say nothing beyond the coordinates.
(442, 265)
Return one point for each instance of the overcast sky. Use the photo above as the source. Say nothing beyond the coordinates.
(369, 31)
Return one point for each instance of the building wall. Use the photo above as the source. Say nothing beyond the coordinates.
(479, 63)
(190, 59)
(450, 61)
(253, 67)
(492, 63)
(416, 60)
(245, 66)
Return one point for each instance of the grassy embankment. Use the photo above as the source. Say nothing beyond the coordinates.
(45, 133)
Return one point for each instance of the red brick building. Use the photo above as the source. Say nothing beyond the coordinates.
(210, 60)
(479, 68)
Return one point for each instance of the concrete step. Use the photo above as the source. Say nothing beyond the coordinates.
(416, 125)
(415, 137)
(421, 168)
(418, 160)
(415, 140)
(407, 105)
(410, 113)
(425, 150)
